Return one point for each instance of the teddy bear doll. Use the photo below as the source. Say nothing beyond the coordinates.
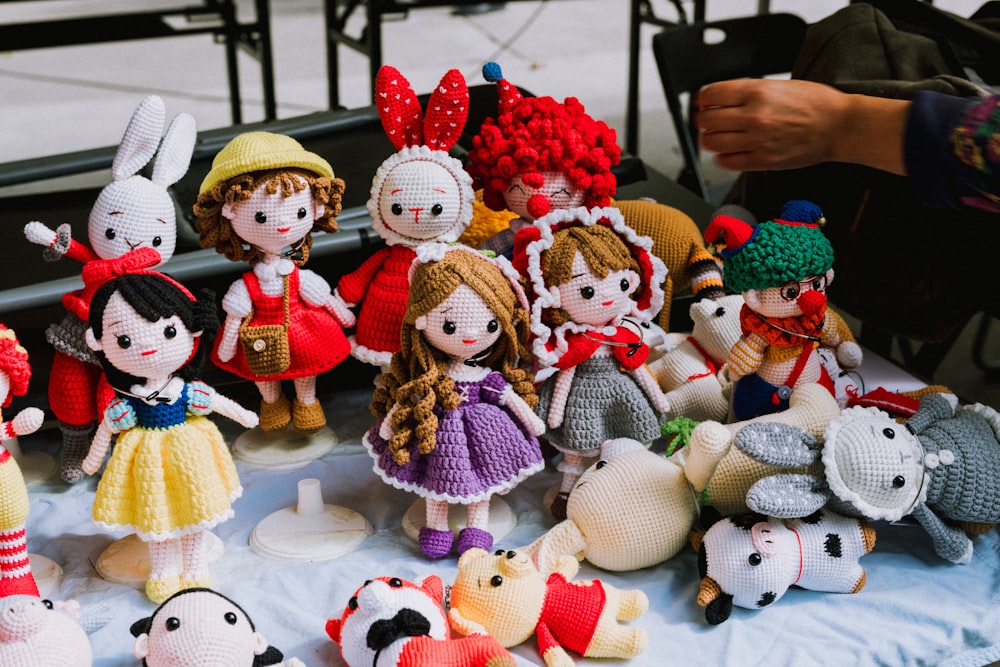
(392, 621)
(506, 596)
(942, 467)
(132, 211)
(782, 268)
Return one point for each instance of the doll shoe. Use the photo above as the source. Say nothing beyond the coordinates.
(470, 538)
(435, 543)
(196, 582)
(308, 418)
(558, 506)
(275, 416)
(158, 590)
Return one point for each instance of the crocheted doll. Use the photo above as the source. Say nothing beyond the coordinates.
(505, 595)
(782, 267)
(456, 423)
(15, 373)
(130, 212)
(260, 203)
(170, 477)
(199, 626)
(942, 467)
(594, 283)
(750, 560)
(420, 194)
(36, 632)
(394, 622)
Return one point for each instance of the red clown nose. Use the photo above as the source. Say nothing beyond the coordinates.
(538, 205)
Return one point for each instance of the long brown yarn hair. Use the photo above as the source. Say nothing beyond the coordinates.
(217, 232)
(418, 380)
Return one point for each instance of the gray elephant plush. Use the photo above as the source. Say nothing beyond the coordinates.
(942, 467)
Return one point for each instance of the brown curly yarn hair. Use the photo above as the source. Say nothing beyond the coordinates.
(418, 379)
(217, 231)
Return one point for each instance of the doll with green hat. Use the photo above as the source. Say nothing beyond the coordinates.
(782, 268)
(260, 203)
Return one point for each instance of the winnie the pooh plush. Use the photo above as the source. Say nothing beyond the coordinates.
(506, 596)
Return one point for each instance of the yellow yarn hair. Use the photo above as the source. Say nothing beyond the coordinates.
(485, 222)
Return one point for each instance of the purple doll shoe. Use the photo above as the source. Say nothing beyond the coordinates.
(469, 538)
(435, 543)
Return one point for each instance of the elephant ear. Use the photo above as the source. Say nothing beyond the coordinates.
(776, 444)
(787, 496)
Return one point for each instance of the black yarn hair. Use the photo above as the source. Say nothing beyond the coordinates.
(154, 297)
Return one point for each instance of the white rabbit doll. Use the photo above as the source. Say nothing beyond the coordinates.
(420, 194)
(130, 212)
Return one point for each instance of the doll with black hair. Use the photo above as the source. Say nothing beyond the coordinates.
(170, 477)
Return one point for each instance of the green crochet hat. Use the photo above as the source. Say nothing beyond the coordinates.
(774, 252)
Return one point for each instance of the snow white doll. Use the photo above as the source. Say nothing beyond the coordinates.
(594, 283)
(456, 413)
(170, 477)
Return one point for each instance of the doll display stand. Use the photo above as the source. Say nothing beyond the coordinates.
(35, 466)
(502, 519)
(286, 449)
(46, 572)
(126, 561)
(312, 530)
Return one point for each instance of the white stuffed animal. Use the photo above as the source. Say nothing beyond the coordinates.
(36, 632)
(130, 212)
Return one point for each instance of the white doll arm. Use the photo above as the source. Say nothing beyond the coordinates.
(98, 448)
(645, 378)
(525, 414)
(40, 234)
(385, 428)
(229, 337)
(237, 305)
(557, 408)
(341, 310)
(227, 407)
(26, 421)
(313, 289)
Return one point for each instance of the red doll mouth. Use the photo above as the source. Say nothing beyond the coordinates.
(607, 303)
(283, 230)
(469, 342)
(148, 352)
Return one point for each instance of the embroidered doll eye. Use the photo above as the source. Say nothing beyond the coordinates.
(48, 604)
(109, 234)
(172, 623)
(587, 292)
(496, 580)
(600, 464)
(396, 583)
(169, 331)
(754, 559)
(898, 481)
(498, 552)
(624, 284)
(790, 291)
(301, 213)
(437, 209)
(720, 311)
(352, 604)
(492, 326)
(124, 342)
(396, 209)
(230, 618)
(260, 217)
(889, 433)
(449, 328)
(157, 241)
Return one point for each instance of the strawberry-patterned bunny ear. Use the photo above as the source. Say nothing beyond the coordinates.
(398, 108)
(447, 111)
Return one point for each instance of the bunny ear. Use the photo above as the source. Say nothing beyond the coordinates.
(142, 136)
(447, 111)
(175, 152)
(398, 108)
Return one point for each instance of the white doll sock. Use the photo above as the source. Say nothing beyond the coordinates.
(193, 561)
(162, 559)
(437, 515)
(479, 515)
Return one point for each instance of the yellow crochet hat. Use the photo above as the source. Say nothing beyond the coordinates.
(257, 151)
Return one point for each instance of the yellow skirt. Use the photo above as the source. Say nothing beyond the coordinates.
(13, 496)
(164, 483)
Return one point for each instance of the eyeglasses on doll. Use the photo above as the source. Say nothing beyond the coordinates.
(791, 290)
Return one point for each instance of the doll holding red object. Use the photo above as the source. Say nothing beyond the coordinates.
(260, 203)
(457, 425)
(15, 569)
(170, 477)
(594, 283)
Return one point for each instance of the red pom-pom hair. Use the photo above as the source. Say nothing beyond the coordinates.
(13, 362)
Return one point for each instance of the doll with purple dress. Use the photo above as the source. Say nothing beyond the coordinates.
(457, 423)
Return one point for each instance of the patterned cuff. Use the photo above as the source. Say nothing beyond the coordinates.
(61, 246)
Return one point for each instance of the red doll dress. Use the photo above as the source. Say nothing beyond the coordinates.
(315, 340)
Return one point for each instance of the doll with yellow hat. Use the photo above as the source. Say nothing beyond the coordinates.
(260, 203)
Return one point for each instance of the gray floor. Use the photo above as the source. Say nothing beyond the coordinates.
(65, 99)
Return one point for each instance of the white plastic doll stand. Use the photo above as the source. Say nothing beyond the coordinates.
(286, 449)
(502, 519)
(126, 561)
(311, 530)
(46, 572)
(35, 466)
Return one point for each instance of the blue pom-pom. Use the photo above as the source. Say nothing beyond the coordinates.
(492, 72)
(801, 210)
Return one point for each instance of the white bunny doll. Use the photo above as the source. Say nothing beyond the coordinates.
(130, 212)
(420, 194)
